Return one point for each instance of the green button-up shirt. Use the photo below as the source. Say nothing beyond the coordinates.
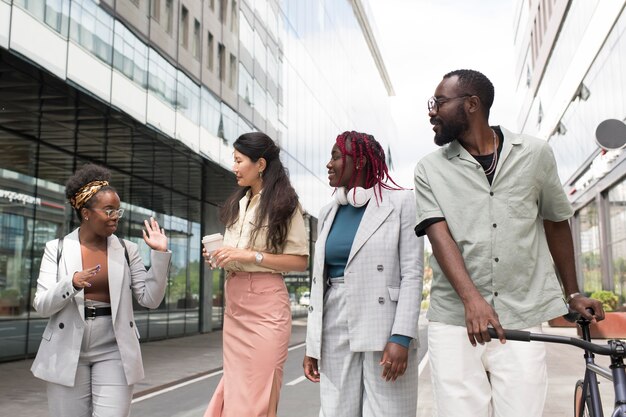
(498, 228)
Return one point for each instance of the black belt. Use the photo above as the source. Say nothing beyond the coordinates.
(93, 312)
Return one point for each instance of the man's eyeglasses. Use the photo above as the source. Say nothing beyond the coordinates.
(112, 213)
(434, 102)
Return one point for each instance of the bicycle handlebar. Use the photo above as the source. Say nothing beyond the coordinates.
(613, 348)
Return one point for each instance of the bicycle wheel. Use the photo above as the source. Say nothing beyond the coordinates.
(582, 404)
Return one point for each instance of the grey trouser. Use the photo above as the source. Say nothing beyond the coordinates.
(100, 388)
(351, 384)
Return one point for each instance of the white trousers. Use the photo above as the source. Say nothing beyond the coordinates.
(494, 379)
(351, 383)
(100, 388)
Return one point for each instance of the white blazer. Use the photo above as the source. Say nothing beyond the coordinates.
(58, 354)
(383, 276)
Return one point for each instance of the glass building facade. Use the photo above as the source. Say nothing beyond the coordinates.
(157, 91)
(582, 83)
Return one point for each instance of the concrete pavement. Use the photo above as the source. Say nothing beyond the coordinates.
(172, 361)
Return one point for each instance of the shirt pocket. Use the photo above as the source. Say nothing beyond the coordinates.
(522, 202)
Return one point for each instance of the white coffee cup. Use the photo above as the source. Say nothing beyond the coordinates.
(213, 242)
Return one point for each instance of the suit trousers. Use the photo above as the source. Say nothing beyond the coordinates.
(351, 383)
(493, 379)
(100, 387)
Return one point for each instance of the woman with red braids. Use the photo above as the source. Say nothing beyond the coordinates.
(366, 288)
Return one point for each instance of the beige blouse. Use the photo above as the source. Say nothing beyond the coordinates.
(238, 236)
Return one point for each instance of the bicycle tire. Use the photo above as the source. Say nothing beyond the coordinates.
(581, 408)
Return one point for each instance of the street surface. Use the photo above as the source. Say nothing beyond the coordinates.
(299, 397)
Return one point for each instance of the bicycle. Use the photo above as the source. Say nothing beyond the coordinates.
(587, 401)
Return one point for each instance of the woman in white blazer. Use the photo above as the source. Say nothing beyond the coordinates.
(89, 353)
(366, 289)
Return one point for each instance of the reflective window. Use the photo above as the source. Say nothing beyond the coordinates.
(260, 99)
(244, 127)
(271, 22)
(188, 98)
(92, 28)
(260, 53)
(245, 84)
(617, 236)
(272, 68)
(605, 99)
(272, 111)
(589, 256)
(162, 78)
(211, 112)
(130, 55)
(55, 13)
(246, 34)
(229, 123)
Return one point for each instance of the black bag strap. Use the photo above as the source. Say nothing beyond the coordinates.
(59, 250)
(125, 250)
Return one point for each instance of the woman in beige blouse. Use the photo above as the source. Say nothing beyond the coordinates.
(265, 236)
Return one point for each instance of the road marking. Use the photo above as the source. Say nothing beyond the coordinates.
(297, 380)
(173, 387)
(297, 346)
(193, 381)
(423, 364)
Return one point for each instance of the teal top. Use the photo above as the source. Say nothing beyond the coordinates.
(340, 238)
(339, 244)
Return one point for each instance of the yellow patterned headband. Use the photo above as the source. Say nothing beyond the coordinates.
(86, 192)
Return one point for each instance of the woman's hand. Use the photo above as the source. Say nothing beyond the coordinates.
(81, 279)
(310, 369)
(154, 236)
(394, 361)
(222, 256)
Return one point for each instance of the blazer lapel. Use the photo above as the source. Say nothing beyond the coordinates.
(375, 214)
(116, 262)
(72, 259)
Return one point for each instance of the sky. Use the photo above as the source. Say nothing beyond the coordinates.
(421, 40)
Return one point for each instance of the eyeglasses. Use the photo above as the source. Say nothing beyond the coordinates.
(434, 103)
(112, 213)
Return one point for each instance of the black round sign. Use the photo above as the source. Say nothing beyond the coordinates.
(611, 134)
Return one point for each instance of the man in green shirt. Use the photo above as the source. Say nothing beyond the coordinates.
(491, 203)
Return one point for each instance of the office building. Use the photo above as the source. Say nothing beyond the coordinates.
(571, 72)
(157, 91)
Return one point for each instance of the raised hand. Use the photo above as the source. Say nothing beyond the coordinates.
(154, 236)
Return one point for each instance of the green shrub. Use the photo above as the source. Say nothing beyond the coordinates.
(608, 299)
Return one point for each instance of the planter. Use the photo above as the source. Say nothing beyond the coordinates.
(612, 327)
(560, 322)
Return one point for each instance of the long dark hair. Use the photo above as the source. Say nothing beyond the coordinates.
(278, 199)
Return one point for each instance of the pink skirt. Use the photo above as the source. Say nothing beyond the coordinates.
(257, 327)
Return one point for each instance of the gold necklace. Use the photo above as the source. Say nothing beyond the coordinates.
(494, 160)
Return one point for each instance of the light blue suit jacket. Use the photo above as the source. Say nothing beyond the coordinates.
(383, 275)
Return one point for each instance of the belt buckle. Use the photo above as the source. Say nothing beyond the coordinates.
(90, 313)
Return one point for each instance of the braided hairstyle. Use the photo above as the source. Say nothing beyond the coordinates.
(376, 171)
(84, 175)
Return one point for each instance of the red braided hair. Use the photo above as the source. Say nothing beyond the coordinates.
(376, 171)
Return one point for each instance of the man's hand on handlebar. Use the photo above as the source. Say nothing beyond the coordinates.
(581, 304)
(479, 316)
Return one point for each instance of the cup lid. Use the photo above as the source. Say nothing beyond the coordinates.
(214, 236)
